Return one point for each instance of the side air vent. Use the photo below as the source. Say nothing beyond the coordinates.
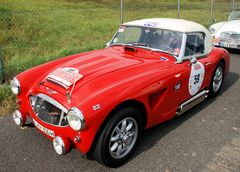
(155, 98)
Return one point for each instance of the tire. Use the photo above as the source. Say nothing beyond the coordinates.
(217, 80)
(121, 133)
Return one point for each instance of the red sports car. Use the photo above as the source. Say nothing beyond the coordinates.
(100, 101)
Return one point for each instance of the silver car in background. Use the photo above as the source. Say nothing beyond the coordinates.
(227, 34)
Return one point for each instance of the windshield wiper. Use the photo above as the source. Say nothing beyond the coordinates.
(131, 44)
(139, 44)
(120, 44)
(167, 52)
(145, 47)
(152, 49)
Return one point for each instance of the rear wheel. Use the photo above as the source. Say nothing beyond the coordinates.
(119, 138)
(217, 80)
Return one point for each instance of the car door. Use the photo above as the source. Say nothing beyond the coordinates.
(195, 65)
(185, 79)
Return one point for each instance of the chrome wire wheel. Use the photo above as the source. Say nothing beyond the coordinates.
(123, 138)
(217, 79)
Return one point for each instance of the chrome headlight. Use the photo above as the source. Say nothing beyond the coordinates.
(76, 119)
(17, 117)
(212, 30)
(59, 146)
(15, 86)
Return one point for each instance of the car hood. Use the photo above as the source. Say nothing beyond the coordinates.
(231, 26)
(90, 67)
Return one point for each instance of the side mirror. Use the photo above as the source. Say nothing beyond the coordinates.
(107, 44)
(193, 60)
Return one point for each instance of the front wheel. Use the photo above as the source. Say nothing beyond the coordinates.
(217, 80)
(119, 138)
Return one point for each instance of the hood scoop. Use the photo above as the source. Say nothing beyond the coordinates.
(129, 49)
(65, 77)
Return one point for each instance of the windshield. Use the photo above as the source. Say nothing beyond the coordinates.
(235, 15)
(152, 38)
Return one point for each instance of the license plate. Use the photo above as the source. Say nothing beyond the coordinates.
(233, 45)
(43, 129)
(224, 44)
(229, 45)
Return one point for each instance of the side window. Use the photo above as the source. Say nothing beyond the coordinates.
(195, 44)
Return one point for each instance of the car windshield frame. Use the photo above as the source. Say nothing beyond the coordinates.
(143, 44)
(235, 15)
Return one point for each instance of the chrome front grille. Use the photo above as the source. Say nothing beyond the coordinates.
(224, 36)
(49, 110)
(235, 37)
(230, 37)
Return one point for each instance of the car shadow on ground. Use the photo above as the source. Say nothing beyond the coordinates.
(153, 135)
(150, 137)
(233, 51)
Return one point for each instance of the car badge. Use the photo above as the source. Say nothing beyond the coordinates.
(177, 86)
(164, 59)
(150, 24)
(96, 107)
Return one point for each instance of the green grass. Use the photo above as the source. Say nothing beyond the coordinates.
(33, 32)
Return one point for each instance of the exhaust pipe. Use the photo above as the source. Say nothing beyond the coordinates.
(192, 102)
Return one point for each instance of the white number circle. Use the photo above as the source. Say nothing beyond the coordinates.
(196, 78)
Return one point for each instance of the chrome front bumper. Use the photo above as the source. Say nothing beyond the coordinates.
(235, 45)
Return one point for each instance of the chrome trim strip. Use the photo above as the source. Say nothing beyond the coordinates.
(61, 118)
(204, 92)
(183, 47)
(57, 82)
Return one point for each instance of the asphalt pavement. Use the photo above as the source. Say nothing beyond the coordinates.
(206, 138)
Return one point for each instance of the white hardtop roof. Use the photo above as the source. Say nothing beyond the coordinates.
(179, 25)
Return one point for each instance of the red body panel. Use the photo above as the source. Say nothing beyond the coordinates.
(112, 76)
